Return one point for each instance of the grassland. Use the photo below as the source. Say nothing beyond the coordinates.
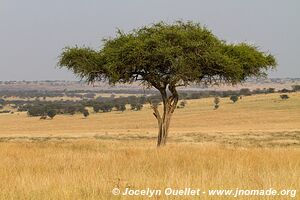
(252, 144)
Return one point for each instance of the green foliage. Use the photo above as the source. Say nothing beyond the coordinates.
(168, 54)
(36, 111)
(296, 88)
(234, 98)
(120, 107)
(106, 107)
(245, 91)
(97, 107)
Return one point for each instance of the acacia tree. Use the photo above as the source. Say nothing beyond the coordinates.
(166, 56)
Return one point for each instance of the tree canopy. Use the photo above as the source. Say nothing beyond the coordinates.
(165, 56)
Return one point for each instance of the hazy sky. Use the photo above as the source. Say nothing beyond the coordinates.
(33, 32)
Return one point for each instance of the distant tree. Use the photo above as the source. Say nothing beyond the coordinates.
(234, 98)
(96, 107)
(139, 106)
(70, 110)
(216, 102)
(284, 96)
(270, 90)
(51, 113)
(36, 111)
(106, 107)
(166, 56)
(120, 107)
(284, 90)
(85, 113)
(245, 91)
(296, 88)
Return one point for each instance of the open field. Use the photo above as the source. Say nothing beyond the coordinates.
(255, 117)
(90, 169)
(252, 144)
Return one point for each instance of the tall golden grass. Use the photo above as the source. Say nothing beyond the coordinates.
(252, 144)
(90, 169)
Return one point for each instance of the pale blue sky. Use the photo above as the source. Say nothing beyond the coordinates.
(33, 32)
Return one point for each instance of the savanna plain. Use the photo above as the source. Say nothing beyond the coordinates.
(251, 144)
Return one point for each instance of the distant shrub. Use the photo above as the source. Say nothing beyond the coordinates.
(120, 107)
(284, 96)
(182, 104)
(5, 111)
(36, 111)
(85, 113)
(234, 98)
(70, 110)
(51, 113)
(106, 107)
(245, 91)
(136, 106)
(296, 88)
(96, 107)
(284, 90)
(270, 90)
(216, 102)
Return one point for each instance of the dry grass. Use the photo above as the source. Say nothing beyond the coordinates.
(253, 114)
(90, 169)
(253, 144)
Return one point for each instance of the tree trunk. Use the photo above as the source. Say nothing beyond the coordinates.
(163, 130)
(169, 105)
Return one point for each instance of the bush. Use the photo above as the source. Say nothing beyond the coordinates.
(234, 98)
(216, 102)
(136, 106)
(296, 88)
(245, 91)
(70, 110)
(120, 107)
(96, 107)
(270, 90)
(5, 111)
(284, 96)
(106, 107)
(183, 104)
(51, 113)
(85, 113)
(36, 111)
